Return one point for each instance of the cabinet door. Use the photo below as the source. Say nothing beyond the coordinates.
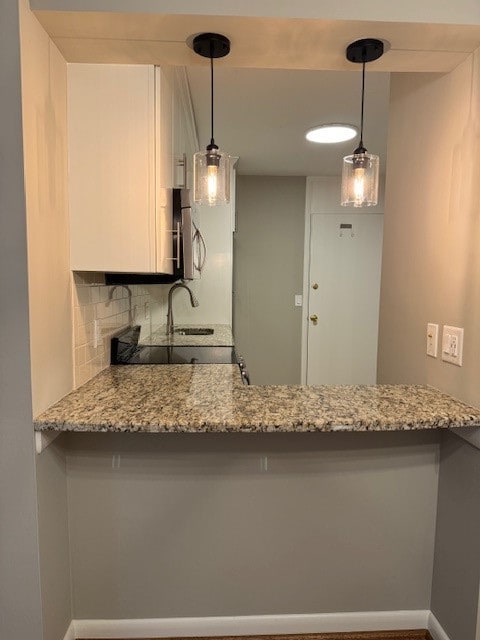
(185, 133)
(111, 129)
(178, 134)
(164, 119)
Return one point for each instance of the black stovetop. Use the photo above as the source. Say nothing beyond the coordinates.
(126, 350)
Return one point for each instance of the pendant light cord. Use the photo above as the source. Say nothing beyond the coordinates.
(212, 141)
(363, 100)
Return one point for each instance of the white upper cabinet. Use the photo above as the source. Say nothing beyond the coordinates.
(185, 142)
(123, 129)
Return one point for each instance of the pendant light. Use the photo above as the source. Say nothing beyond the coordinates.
(360, 170)
(211, 168)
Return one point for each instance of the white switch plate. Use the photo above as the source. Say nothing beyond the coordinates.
(298, 300)
(452, 345)
(432, 340)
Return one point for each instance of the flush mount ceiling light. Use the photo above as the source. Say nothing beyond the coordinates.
(331, 133)
(211, 168)
(360, 170)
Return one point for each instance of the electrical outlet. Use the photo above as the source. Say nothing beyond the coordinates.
(452, 345)
(432, 340)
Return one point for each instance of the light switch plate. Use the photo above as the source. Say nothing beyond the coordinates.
(452, 345)
(432, 340)
(298, 300)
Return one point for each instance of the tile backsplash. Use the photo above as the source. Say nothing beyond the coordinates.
(99, 311)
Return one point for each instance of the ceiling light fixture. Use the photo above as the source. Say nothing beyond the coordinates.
(360, 170)
(211, 168)
(331, 133)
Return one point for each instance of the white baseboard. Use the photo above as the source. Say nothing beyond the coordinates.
(436, 630)
(254, 625)
(70, 635)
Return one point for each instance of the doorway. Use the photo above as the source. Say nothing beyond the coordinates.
(342, 294)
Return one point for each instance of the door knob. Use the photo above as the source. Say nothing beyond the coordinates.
(315, 286)
(314, 319)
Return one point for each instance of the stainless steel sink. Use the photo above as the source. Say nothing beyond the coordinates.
(194, 331)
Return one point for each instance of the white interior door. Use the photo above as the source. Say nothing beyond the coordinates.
(344, 293)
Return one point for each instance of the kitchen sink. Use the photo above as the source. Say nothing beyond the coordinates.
(194, 331)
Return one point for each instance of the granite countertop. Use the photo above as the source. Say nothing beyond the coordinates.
(212, 398)
(221, 337)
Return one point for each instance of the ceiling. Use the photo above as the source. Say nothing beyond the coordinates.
(275, 43)
(261, 115)
(283, 75)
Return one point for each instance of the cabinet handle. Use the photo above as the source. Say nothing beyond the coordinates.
(178, 233)
(180, 178)
(178, 245)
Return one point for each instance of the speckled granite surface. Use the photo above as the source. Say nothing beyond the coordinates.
(221, 337)
(212, 398)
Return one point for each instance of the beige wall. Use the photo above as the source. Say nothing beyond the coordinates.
(194, 526)
(44, 103)
(431, 263)
(268, 272)
(45, 140)
(431, 273)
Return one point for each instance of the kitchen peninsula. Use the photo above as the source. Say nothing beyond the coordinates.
(212, 398)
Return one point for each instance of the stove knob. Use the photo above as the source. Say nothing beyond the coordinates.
(245, 376)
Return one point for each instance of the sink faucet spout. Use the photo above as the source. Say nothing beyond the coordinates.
(193, 301)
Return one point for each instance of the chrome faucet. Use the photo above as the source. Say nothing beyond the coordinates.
(193, 301)
(129, 291)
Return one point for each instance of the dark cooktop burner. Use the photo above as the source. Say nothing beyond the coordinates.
(146, 354)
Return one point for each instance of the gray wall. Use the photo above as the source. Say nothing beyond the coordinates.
(20, 601)
(456, 575)
(431, 273)
(267, 273)
(53, 540)
(182, 525)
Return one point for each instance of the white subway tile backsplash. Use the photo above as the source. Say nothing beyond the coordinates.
(112, 308)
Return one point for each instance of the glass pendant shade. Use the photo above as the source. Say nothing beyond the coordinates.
(360, 180)
(211, 177)
(360, 170)
(211, 168)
